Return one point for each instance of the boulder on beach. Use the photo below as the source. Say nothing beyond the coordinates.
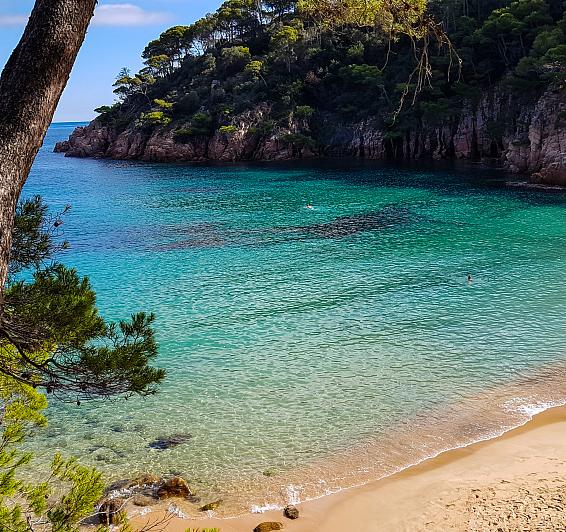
(211, 506)
(174, 487)
(291, 512)
(268, 526)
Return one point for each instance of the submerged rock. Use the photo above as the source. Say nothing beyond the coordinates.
(174, 487)
(145, 480)
(168, 442)
(135, 484)
(211, 506)
(268, 526)
(349, 225)
(291, 512)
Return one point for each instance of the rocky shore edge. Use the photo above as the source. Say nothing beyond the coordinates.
(501, 129)
(150, 490)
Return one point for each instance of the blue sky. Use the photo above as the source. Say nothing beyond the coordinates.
(116, 38)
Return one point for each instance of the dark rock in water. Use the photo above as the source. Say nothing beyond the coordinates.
(132, 484)
(268, 526)
(291, 512)
(211, 506)
(174, 487)
(109, 511)
(168, 442)
(120, 485)
(144, 500)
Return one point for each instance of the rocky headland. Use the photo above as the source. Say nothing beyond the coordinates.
(531, 138)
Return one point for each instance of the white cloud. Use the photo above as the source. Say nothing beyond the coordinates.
(127, 15)
(13, 20)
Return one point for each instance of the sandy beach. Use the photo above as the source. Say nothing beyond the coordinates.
(513, 482)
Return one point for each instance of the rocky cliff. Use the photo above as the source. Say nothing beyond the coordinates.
(523, 136)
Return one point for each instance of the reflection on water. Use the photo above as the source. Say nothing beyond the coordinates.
(312, 349)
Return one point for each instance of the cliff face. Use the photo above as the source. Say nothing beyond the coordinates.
(520, 136)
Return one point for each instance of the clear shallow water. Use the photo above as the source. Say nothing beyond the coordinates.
(326, 346)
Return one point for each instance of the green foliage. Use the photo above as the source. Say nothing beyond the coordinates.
(263, 129)
(362, 74)
(183, 135)
(54, 341)
(304, 111)
(32, 236)
(236, 57)
(162, 104)
(52, 334)
(187, 104)
(347, 60)
(110, 115)
(439, 110)
(356, 52)
(44, 505)
(227, 130)
(154, 118)
(254, 68)
(202, 125)
(299, 140)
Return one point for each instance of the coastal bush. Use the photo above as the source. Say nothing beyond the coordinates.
(154, 118)
(263, 128)
(304, 111)
(183, 135)
(186, 105)
(227, 130)
(235, 59)
(202, 124)
(162, 104)
(299, 140)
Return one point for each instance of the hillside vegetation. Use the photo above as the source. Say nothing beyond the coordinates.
(281, 72)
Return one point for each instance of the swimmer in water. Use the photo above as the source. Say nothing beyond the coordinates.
(309, 206)
(469, 278)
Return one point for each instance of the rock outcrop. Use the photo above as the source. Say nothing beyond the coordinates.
(520, 135)
(291, 512)
(174, 487)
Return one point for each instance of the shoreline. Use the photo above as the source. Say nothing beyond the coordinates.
(521, 456)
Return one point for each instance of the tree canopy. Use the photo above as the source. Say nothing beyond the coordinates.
(51, 333)
(345, 59)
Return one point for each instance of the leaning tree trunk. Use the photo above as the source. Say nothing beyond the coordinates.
(30, 87)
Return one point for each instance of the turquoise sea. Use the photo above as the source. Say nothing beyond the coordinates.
(312, 349)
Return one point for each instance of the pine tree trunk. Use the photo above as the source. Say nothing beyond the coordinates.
(30, 87)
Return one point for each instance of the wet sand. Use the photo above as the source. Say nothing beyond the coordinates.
(514, 482)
